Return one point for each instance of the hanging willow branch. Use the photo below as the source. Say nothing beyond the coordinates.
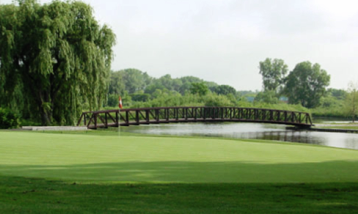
(58, 54)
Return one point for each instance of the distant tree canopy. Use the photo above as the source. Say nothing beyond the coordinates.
(273, 73)
(134, 82)
(269, 97)
(338, 93)
(306, 84)
(53, 57)
(199, 88)
(351, 100)
(224, 89)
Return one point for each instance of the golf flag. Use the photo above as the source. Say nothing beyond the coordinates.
(120, 102)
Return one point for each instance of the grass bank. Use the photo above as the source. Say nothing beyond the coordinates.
(109, 173)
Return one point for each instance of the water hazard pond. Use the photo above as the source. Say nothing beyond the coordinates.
(249, 131)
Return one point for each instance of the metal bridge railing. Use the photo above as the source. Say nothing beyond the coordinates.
(138, 116)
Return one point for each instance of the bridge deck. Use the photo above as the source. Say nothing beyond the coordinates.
(141, 116)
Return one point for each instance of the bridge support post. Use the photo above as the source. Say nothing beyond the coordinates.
(137, 116)
(127, 117)
(105, 120)
(157, 115)
(147, 116)
(95, 120)
(117, 118)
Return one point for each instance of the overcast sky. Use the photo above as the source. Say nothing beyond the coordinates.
(224, 40)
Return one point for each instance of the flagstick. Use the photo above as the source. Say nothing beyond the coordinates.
(119, 122)
(119, 115)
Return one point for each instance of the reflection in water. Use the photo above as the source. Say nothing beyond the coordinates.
(251, 131)
(351, 143)
(287, 136)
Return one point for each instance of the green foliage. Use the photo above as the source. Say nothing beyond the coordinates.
(215, 100)
(135, 80)
(268, 96)
(282, 106)
(143, 97)
(112, 100)
(154, 88)
(171, 99)
(8, 119)
(351, 101)
(223, 89)
(306, 84)
(199, 88)
(273, 73)
(330, 106)
(337, 93)
(116, 83)
(57, 55)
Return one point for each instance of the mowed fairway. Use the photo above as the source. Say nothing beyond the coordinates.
(91, 158)
(97, 172)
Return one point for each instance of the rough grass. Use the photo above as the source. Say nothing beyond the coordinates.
(89, 173)
(20, 195)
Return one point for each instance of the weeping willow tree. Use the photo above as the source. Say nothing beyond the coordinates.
(53, 58)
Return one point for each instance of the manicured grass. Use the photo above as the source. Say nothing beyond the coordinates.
(102, 172)
(20, 195)
(157, 159)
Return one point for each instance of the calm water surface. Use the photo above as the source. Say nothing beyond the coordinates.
(250, 131)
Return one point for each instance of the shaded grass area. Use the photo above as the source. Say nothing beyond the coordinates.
(23, 195)
(192, 172)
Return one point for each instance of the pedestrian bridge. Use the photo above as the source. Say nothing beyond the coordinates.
(140, 116)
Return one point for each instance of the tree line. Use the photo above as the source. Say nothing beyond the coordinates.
(134, 85)
(55, 62)
(305, 85)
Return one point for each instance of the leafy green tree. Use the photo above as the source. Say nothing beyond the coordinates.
(337, 93)
(184, 88)
(186, 83)
(306, 84)
(330, 102)
(190, 79)
(116, 83)
(351, 101)
(135, 80)
(224, 90)
(217, 100)
(57, 54)
(269, 97)
(153, 88)
(211, 85)
(8, 119)
(273, 73)
(142, 97)
(199, 88)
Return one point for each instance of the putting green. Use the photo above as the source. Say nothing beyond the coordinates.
(90, 158)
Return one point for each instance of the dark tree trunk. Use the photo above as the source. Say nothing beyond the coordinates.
(45, 118)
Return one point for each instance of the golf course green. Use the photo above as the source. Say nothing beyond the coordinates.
(202, 169)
